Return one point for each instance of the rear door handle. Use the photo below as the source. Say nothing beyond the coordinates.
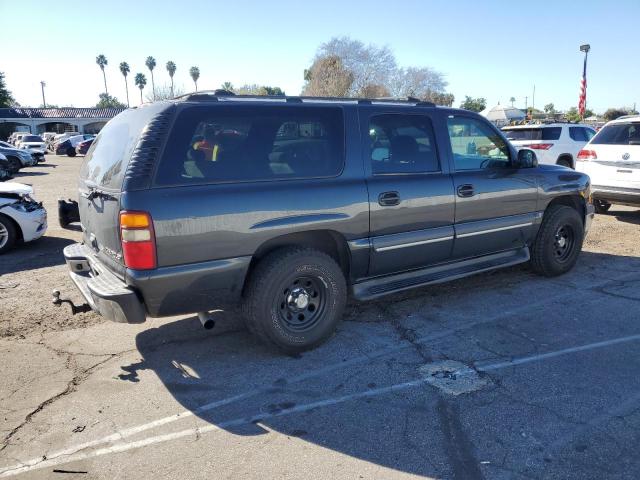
(388, 199)
(465, 191)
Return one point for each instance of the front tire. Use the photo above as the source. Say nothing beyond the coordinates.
(601, 206)
(14, 164)
(71, 152)
(294, 299)
(8, 234)
(559, 241)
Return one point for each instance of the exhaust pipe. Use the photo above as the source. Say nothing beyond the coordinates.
(206, 320)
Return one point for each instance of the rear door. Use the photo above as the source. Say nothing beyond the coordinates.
(101, 179)
(495, 202)
(410, 191)
(617, 148)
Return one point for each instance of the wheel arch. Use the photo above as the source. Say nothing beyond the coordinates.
(574, 201)
(330, 242)
(566, 156)
(20, 237)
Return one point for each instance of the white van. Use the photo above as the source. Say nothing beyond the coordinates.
(612, 160)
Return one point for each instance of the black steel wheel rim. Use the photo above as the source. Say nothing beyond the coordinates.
(301, 303)
(563, 243)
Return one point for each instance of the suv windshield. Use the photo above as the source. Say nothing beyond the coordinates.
(537, 133)
(618, 134)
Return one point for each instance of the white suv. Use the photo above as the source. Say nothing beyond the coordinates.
(612, 160)
(554, 143)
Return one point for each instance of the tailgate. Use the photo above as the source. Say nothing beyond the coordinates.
(616, 165)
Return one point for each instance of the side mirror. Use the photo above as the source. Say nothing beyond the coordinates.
(527, 158)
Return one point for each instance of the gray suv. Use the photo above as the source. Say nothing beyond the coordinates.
(286, 205)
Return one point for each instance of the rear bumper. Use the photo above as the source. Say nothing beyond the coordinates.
(624, 196)
(103, 291)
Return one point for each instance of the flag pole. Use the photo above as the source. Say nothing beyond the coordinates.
(582, 105)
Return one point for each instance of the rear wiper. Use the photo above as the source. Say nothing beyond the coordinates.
(95, 192)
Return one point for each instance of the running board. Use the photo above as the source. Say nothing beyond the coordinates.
(377, 287)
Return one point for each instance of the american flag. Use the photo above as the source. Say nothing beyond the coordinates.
(582, 100)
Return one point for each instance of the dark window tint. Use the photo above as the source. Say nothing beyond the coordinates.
(618, 134)
(243, 143)
(108, 157)
(402, 144)
(476, 145)
(581, 134)
(31, 138)
(538, 133)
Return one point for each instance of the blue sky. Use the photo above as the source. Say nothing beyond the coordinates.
(491, 48)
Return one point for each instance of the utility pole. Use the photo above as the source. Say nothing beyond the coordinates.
(526, 103)
(43, 84)
(533, 100)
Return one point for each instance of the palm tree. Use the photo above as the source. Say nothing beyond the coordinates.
(171, 68)
(101, 60)
(228, 86)
(124, 70)
(140, 82)
(512, 99)
(195, 75)
(150, 62)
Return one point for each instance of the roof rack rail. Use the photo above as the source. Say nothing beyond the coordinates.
(215, 95)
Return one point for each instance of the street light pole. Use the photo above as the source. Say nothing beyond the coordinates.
(42, 85)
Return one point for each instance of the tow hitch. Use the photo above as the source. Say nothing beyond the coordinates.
(57, 301)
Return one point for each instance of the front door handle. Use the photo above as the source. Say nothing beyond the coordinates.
(465, 191)
(388, 199)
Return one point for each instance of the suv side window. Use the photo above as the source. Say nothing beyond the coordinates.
(578, 134)
(402, 143)
(476, 145)
(250, 143)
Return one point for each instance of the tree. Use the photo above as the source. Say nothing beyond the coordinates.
(368, 64)
(124, 70)
(613, 113)
(474, 104)
(328, 77)
(140, 81)
(256, 89)
(171, 68)
(165, 92)
(6, 99)
(572, 115)
(512, 100)
(107, 101)
(375, 91)
(417, 82)
(195, 75)
(444, 99)
(550, 108)
(227, 86)
(101, 60)
(150, 62)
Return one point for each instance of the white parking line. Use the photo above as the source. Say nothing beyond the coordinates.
(56, 459)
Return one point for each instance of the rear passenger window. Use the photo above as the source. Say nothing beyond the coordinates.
(402, 144)
(240, 143)
(579, 134)
(551, 133)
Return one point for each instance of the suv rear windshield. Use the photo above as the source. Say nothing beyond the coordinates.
(31, 138)
(539, 133)
(618, 134)
(247, 143)
(108, 157)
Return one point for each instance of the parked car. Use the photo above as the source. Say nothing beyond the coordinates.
(306, 202)
(17, 138)
(5, 170)
(32, 142)
(554, 144)
(612, 160)
(82, 147)
(17, 158)
(68, 146)
(21, 217)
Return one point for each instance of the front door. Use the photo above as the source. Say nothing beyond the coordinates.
(410, 193)
(495, 201)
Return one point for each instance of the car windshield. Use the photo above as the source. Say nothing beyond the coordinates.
(538, 133)
(618, 134)
(31, 138)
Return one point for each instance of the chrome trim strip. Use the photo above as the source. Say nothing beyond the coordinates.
(413, 244)
(492, 230)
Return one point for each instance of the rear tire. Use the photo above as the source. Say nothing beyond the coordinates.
(565, 162)
(8, 234)
(294, 299)
(601, 206)
(559, 241)
(71, 152)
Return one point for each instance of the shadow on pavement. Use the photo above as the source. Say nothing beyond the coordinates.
(626, 216)
(415, 431)
(44, 252)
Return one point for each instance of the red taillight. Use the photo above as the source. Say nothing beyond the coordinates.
(584, 155)
(138, 240)
(539, 146)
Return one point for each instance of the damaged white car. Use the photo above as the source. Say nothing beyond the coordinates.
(22, 219)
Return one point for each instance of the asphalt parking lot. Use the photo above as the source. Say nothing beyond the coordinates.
(500, 376)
